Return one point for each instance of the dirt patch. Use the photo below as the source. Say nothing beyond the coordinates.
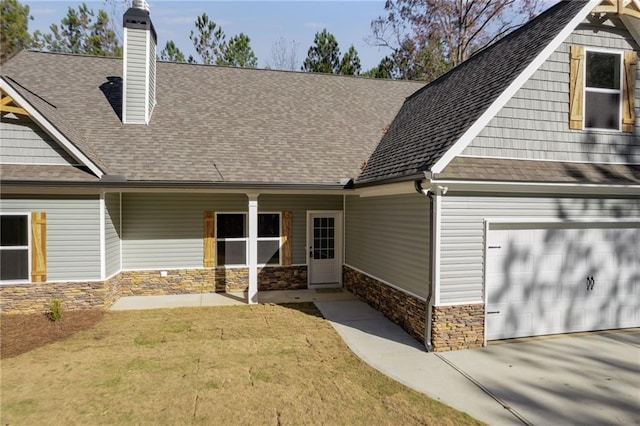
(24, 332)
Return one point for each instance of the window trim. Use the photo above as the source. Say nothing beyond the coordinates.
(278, 239)
(28, 247)
(619, 92)
(246, 239)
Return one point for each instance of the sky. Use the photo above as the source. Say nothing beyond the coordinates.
(264, 22)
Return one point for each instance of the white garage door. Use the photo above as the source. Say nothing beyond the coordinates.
(545, 279)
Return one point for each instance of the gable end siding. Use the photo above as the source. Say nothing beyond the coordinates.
(24, 142)
(534, 124)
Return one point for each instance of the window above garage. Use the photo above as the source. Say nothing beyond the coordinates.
(602, 89)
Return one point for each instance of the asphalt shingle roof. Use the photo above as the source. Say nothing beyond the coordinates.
(213, 124)
(494, 169)
(435, 117)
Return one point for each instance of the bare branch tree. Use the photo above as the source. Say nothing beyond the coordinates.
(284, 55)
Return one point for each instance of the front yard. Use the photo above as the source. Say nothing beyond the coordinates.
(262, 364)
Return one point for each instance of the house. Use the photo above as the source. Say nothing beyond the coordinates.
(501, 200)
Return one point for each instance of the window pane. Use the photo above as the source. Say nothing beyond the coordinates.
(14, 230)
(231, 253)
(602, 110)
(268, 225)
(14, 264)
(230, 226)
(269, 252)
(603, 70)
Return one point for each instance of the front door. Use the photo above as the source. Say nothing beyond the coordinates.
(324, 249)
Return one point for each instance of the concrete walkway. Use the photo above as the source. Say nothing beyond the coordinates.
(225, 299)
(590, 379)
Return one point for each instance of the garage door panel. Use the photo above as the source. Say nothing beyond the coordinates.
(555, 279)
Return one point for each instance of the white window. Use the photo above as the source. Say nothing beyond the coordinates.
(603, 90)
(232, 239)
(14, 247)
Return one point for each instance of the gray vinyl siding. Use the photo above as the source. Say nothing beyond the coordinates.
(164, 231)
(24, 142)
(112, 233)
(534, 124)
(299, 205)
(462, 232)
(73, 233)
(388, 238)
(136, 82)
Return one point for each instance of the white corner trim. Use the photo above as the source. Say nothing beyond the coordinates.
(252, 296)
(147, 113)
(511, 90)
(436, 232)
(50, 129)
(103, 238)
(124, 75)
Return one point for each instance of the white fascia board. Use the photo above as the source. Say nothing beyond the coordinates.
(538, 188)
(51, 130)
(511, 90)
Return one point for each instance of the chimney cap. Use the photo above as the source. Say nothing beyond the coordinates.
(140, 4)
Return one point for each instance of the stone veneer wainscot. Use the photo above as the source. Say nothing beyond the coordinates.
(457, 327)
(35, 297)
(408, 311)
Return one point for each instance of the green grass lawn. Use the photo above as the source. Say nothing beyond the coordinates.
(260, 364)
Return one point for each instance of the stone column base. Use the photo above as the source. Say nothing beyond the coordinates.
(457, 327)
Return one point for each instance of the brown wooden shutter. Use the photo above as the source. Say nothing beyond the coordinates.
(209, 240)
(287, 221)
(38, 247)
(629, 104)
(576, 87)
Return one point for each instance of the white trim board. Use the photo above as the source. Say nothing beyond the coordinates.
(511, 90)
(51, 130)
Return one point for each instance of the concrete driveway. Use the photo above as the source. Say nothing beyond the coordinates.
(589, 379)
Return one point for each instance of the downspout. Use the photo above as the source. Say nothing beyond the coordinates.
(430, 192)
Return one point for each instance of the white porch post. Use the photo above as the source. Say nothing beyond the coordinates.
(253, 249)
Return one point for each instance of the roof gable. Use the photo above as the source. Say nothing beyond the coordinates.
(44, 115)
(439, 121)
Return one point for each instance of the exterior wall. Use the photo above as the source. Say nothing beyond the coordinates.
(112, 233)
(135, 77)
(35, 297)
(298, 205)
(388, 238)
(534, 124)
(457, 327)
(23, 142)
(73, 233)
(165, 231)
(462, 234)
(408, 311)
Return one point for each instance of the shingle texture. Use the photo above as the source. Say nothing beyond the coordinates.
(492, 169)
(434, 118)
(42, 173)
(213, 124)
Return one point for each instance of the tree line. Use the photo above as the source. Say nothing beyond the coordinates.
(424, 38)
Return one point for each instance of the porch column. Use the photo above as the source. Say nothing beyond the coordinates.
(253, 249)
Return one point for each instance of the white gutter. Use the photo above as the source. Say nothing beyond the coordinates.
(537, 188)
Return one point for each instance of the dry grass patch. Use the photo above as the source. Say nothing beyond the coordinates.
(261, 364)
